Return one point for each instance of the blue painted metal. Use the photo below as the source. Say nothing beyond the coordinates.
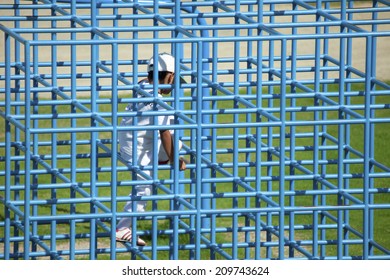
(265, 181)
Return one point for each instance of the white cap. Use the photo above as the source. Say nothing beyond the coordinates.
(166, 62)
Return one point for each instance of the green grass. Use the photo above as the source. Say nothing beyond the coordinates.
(303, 152)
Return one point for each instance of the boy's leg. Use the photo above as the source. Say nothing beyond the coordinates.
(124, 232)
(142, 190)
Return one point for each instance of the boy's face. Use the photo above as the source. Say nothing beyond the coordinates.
(168, 80)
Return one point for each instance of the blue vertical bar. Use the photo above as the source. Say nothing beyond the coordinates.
(205, 119)
(236, 90)
(27, 157)
(136, 78)
(249, 131)
(94, 110)
(270, 134)
(156, 84)
(316, 136)
(206, 187)
(135, 120)
(18, 133)
(293, 132)
(214, 134)
(367, 149)
(35, 137)
(283, 89)
(373, 59)
(324, 132)
(259, 102)
(155, 94)
(114, 147)
(199, 133)
(8, 139)
(341, 137)
(114, 143)
(177, 188)
(53, 135)
(348, 88)
(193, 145)
(73, 136)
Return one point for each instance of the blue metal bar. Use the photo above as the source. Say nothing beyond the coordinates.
(114, 160)
(198, 147)
(235, 132)
(283, 92)
(341, 136)
(27, 168)
(367, 149)
(316, 135)
(249, 53)
(17, 133)
(373, 60)
(213, 142)
(8, 155)
(348, 127)
(73, 138)
(34, 193)
(258, 156)
(178, 188)
(93, 134)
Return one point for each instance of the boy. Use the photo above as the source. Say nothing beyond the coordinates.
(166, 75)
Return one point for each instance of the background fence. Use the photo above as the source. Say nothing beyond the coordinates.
(284, 117)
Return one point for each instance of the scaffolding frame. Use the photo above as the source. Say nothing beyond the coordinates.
(267, 125)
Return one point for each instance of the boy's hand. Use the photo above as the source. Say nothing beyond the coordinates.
(182, 164)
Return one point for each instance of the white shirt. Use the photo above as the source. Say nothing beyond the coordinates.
(144, 137)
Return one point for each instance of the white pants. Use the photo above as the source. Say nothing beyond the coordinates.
(142, 190)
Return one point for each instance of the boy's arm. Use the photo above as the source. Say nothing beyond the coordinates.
(167, 143)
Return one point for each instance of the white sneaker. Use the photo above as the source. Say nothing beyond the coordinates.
(125, 235)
